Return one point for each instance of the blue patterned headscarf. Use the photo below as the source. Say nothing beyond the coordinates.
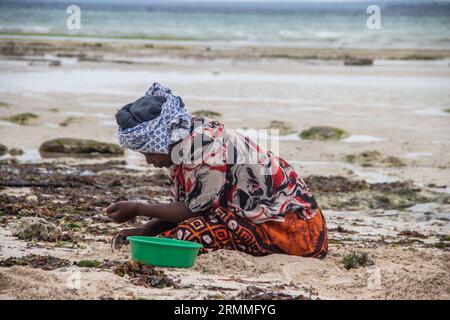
(155, 136)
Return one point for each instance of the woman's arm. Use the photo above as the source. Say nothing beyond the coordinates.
(171, 212)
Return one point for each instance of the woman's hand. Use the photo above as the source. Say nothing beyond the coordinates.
(120, 238)
(122, 211)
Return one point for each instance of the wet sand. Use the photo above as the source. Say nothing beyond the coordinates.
(396, 107)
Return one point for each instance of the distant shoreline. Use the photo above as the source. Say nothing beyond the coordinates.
(102, 49)
(191, 40)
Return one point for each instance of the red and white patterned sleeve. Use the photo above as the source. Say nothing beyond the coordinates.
(205, 178)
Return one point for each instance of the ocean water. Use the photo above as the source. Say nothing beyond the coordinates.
(404, 24)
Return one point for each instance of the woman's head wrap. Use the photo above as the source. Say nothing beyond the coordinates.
(153, 122)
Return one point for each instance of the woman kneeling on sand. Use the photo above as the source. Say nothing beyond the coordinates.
(229, 193)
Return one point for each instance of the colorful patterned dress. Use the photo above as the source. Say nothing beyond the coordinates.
(247, 198)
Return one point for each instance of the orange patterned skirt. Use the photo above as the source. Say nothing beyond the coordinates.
(222, 229)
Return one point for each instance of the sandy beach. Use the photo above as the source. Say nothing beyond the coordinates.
(393, 205)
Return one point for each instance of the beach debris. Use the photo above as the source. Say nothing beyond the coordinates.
(323, 133)
(53, 110)
(356, 260)
(22, 118)
(75, 146)
(447, 110)
(142, 275)
(373, 157)
(16, 152)
(353, 61)
(255, 293)
(3, 150)
(282, 127)
(36, 261)
(71, 120)
(207, 114)
(35, 228)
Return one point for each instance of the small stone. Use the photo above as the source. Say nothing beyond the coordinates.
(16, 152)
(32, 198)
(30, 228)
(101, 218)
(323, 133)
(207, 114)
(87, 173)
(68, 146)
(3, 149)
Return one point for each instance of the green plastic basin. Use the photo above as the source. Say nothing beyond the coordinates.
(163, 252)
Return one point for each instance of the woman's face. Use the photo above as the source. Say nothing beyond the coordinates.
(158, 160)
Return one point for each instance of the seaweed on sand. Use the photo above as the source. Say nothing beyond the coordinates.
(4, 105)
(337, 192)
(36, 261)
(255, 293)
(70, 121)
(72, 196)
(282, 127)
(139, 274)
(323, 133)
(373, 157)
(412, 233)
(89, 264)
(356, 260)
(22, 118)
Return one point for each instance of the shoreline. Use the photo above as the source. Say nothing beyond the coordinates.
(207, 50)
